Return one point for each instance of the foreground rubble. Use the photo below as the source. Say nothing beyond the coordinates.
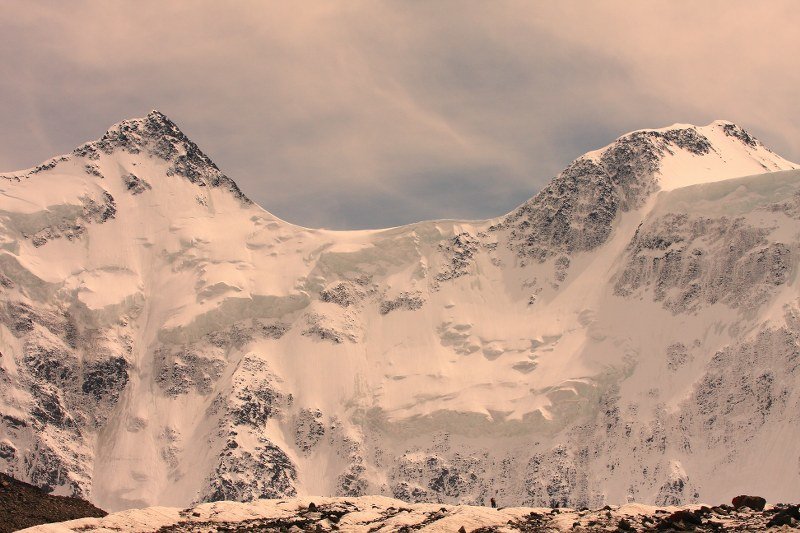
(380, 514)
(23, 505)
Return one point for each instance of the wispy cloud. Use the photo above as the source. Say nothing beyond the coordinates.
(365, 114)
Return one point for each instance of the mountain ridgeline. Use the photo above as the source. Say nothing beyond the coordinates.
(628, 334)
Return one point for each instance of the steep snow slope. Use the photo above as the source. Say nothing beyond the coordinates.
(166, 341)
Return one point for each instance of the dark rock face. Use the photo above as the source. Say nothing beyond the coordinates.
(197, 366)
(255, 400)
(256, 471)
(308, 429)
(23, 505)
(436, 478)
(47, 165)
(677, 356)
(93, 211)
(575, 211)
(755, 503)
(673, 492)
(184, 370)
(93, 170)
(405, 300)
(459, 253)
(135, 184)
(264, 472)
(352, 482)
(318, 327)
(239, 334)
(732, 130)
(157, 136)
(689, 263)
(19, 317)
(633, 159)
(105, 378)
(343, 294)
(69, 379)
(410, 493)
(551, 478)
(99, 212)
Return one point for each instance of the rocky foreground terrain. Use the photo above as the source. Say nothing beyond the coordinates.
(23, 505)
(381, 514)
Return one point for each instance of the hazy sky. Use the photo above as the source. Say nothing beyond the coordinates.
(369, 114)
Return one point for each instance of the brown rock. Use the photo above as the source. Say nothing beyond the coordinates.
(683, 516)
(755, 503)
(624, 525)
(23, 505)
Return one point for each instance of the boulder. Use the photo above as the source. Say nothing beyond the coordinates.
(755, 503)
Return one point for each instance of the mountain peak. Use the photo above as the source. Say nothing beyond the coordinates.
(155, 135)
(576, 210)
(647, 160)
(690, 137)
(159, 123)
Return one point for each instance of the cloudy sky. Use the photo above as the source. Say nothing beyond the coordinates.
(369, 114)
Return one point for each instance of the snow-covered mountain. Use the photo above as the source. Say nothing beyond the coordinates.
(628, 334)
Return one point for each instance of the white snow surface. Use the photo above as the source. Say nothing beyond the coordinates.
(191, 346)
